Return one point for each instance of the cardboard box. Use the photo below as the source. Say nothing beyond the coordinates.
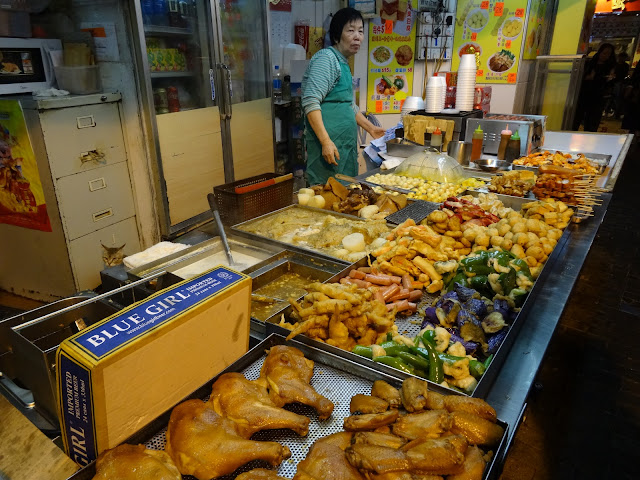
(118, 375)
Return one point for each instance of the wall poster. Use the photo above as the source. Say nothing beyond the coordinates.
(492, 29)
(535, 29)
(392, 40)
(21, 196)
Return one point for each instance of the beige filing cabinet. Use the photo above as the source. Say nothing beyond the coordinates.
(82, 160)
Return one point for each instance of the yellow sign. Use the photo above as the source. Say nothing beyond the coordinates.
(392, 39)
(21, 196)
(494, 29)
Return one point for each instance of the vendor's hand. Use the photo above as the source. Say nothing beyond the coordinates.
(330, 153)
(377, 132)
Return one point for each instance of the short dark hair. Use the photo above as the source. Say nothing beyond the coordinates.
(340, 19)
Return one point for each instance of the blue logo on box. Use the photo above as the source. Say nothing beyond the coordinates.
(155, 311)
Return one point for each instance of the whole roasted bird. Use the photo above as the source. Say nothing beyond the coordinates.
(126, 462)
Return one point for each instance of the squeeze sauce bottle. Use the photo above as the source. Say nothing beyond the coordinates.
(436, 139)
(505, 135)
(476, 144)
(513, 148)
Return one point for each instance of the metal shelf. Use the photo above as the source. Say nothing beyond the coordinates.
(167, 31)
(172, 74)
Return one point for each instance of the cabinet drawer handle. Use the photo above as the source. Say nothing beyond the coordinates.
(92, 156)
(86, 122)
(97, 184)
(102, 215)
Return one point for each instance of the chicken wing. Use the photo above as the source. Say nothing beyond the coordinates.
(383, 390)
(377, 459)
(379, 439)
(367, 404)
(288, 374)
(248, 404)
(477, 430)
(370, 421)
(260, 474)
(414, 394)
(428, 424)
(135, 462)
(206, 445)
(327, 459)
(477, 406)
(435, 401)
(404, 476)
(473, 467)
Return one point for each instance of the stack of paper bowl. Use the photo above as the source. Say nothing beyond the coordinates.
(466, 83)
(411, 104)
(436, 91)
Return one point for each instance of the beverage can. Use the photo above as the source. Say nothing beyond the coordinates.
(161, 100)
(301, 34)
(172, 99)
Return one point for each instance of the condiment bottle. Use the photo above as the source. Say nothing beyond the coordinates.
(513, 148)
(505, 135)
(476, 144)
(436, 138)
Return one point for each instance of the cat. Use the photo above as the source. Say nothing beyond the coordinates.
(112, 256)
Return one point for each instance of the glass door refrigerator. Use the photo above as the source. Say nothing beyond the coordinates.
(205, 78)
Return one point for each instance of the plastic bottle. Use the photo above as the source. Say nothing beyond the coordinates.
(286, 89)
(160, 12)
(436, 138)
(513, 148)
(476, 144)
(505, 135)
(277, 84)
(147, 11)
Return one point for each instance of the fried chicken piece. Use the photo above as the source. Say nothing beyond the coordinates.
(435, 401)
(370, 421)
(327, 459)
(405, 476)
(428, 424)
(377, 459)
(367, 404)
(135, 462)
(473, 467)
(379, 439)
(248, 404)
(288, 374)
(383, 390)
(414, 394)
(477, 430)
(260, 474)
(477, 406)
(339, 333)
(206, 445)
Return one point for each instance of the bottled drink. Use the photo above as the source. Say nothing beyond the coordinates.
(505, 135)
(175, 20)
(476, 144)
(147, 11)
(277, 84)
(160, 12)
(185, 15)
(173, 101)
(286, 89)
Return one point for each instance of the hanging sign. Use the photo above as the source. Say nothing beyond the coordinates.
(21, 196)
(494, 30)
(392, 39)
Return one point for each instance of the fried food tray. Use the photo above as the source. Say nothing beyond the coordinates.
(334, 376)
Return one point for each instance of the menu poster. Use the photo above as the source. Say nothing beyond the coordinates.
(392, 39)
(21, 196)
(535, 29)
(493, 30)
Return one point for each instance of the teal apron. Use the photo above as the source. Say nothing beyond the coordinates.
(340, 123)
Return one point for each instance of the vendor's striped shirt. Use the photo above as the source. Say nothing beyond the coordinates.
(321, 76)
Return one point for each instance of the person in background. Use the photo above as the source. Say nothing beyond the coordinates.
(327, 99)
(620, 72)
(597, 73)
(631, 96)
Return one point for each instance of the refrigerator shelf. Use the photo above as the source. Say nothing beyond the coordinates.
(171, 74)
(167, 31)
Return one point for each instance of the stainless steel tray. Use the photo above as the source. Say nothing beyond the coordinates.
(290, 246)
(200, 251)
(600, 159)
(334, 376)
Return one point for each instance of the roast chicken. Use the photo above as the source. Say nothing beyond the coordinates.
(367, 404)
(248, 404)
(383, 390)
(206, 445)
(288, 374)
(135, 462)
(260, 474)
(326, 460)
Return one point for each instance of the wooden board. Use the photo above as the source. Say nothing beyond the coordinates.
(25, 452)
(252, 139)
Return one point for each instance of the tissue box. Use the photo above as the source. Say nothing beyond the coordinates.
(118, 375)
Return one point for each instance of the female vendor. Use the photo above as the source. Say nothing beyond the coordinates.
(327, 100)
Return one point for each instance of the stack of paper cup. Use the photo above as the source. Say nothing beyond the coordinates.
(466, 82)
(411, 104)
(436, 91)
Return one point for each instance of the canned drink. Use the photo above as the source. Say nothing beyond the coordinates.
(161, 100)
(172, 99)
